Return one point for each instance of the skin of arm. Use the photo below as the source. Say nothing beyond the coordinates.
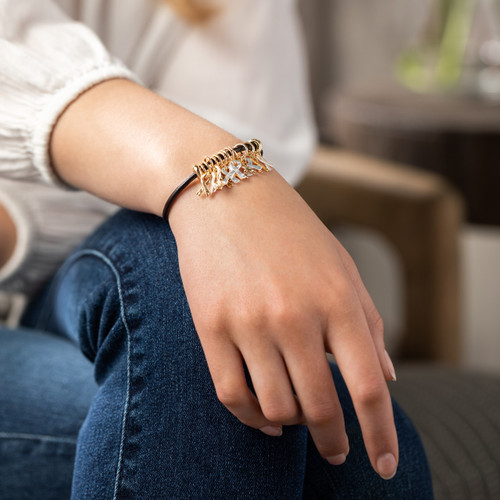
(259, 245)
(7, 235)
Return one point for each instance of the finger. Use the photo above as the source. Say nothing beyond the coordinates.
(312, 379)
(357, 359)
(373, 318)
(272, 386)
(226, 368)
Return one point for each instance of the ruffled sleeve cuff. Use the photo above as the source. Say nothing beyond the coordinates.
(53, 105)
(46, 62)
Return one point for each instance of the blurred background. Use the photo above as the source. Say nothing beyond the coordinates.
(407, 99)
(418, 82)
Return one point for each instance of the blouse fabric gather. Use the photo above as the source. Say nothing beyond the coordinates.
(244, 70)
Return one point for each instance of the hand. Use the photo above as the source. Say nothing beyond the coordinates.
(268, 284)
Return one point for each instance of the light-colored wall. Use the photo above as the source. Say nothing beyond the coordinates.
(481, 296)
(352, 42)
(367, 36)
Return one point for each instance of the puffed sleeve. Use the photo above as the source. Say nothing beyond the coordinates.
(246, 71)
(46, 61)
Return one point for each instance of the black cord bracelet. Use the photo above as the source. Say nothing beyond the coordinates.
(239, 148)
(176, 192)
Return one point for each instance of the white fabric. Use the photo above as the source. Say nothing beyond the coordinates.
(243, 70)
(50, 223)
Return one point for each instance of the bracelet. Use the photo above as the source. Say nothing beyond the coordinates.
(176, 192)
(229, 166)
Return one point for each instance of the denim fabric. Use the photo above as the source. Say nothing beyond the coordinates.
(150, 426)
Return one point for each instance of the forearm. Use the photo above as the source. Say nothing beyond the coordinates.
(129, 145)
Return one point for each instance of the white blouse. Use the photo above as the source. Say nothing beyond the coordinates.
(243, 70)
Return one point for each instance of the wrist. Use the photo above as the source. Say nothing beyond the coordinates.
(254, 199)
(188, 183)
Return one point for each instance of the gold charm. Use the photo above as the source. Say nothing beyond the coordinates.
(231, 166)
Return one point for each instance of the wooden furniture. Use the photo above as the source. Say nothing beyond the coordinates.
(456, 137)
(420, 215)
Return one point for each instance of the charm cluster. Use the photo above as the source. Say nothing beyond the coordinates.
(230, 166)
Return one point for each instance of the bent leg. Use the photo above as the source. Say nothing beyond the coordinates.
(155, 428)
(46, 387)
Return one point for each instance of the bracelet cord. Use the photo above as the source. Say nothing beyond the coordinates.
(254, 146)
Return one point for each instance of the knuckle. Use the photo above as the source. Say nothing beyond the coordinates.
(279, 413)
(370, 392)
(247, 317)
(322, 414)
(342, 289)
(213, 320)
(284, 307)
(377, 324)
(230, 395)
(291, 318)
(283, 314)
(343, 303)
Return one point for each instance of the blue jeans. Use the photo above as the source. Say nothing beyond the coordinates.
(137, 416)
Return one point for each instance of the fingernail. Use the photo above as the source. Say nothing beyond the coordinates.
(336, 459)
(272, 430)
(390, 367)
(387, 466)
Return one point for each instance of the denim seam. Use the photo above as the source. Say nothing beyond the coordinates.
(99, 255)
(36, 437)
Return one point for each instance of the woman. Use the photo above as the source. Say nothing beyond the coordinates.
(208, 349)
